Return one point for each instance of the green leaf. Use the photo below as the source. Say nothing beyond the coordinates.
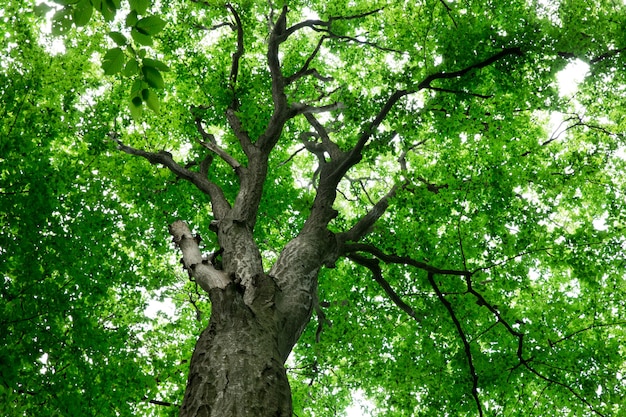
(131, 19)
(156, 64)
(150, 25)
(41, 9)
(135, 106)
(66, 2)
(105, 8)
(82, 13)
(131, 68)
(139, 6)
(136, 88)
(153, 77)
(118, 38)
(113, 61)
(140, 38)
(61, 22)
(151, 100)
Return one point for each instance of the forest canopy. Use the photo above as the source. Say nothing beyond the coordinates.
(459, 194)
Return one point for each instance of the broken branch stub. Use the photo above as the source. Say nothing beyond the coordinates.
(204, 273)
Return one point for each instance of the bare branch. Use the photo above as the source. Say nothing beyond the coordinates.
(215, 148)
(218, 200)
(234, 69)
(373, 265)
(466, 345)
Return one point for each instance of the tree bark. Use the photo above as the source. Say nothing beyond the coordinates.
(237, 368)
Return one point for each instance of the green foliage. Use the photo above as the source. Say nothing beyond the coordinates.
(499, 174)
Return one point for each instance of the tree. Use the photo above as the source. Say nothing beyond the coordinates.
(409, 175)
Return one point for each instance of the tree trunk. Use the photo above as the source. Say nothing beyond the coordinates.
(237, 368)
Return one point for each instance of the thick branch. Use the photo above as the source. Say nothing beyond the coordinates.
(218, 200)
(201, 270)
(365, 223)
(231, 115)
(329, 146)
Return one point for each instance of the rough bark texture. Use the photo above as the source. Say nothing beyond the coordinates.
(237, 368)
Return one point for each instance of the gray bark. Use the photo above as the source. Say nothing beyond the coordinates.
(237, 368)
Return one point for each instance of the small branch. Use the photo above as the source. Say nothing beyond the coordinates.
(466, 345)
(315, 23)
(234, 69)
(215, 148)
(218, 199)
(606, 55)
(161, 403)
(373, 265)
(403, 260)
(305, 68)
(593, 326)
(446, 90)
(449, 11)
(426, 83)
(293, 155)
(299, 108)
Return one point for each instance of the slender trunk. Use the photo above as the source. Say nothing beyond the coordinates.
(237, 368)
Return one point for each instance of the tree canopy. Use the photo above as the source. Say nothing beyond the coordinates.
(481, 205)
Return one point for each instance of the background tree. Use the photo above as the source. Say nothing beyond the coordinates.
(410, 175)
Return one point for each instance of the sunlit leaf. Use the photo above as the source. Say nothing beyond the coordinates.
(153, 77)
(113, 61)
(139, 6)
(141, 38)
(150, 25)
(82, 12)
(118, 38)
